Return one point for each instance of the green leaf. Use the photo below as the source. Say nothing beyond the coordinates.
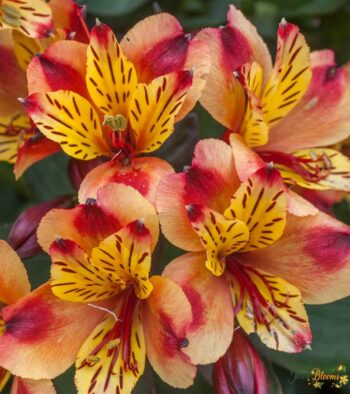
(316, 7)
(48, 178)
(112, 7)
(330, 325)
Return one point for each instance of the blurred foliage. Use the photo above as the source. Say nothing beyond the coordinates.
(326, 25)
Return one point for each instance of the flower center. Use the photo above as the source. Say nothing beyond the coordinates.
(312, 168)
(118, 340)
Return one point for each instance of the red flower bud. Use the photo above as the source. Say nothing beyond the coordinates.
(22, 236)
(240, 370)
(78, 169)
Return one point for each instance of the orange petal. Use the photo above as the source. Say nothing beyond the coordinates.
(32, 151)
(68, 15)
(61, 66)
(231, 46)
(13, 275)
(157, 45)
(153, 108)
(112, 198)
(46, 331)
(313, 255)
(85, 224)
(12, 78)
(110, 77)
(246, 160)
(144, 176)
(88, 224)
(29, 386)
(211, 331)
(166, 315)
(324, 107)
(210, 181)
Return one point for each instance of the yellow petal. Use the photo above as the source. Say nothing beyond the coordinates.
(219, 236)
(4, 378)
(113, 357)
(69, 119)
(270, 307)
(110, 76)
(26, 48)
(31, 17)
(75, 278)
(126, 255)
(12, 134)
(290, 77)
(154, 106)
(325, 168)
(253, 128)
(260, 202)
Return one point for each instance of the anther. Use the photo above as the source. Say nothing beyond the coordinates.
(92, 360)
(71, 35)
(113, 344)
(116, 123)
(184, 343)
(90, 201)
(283, 22)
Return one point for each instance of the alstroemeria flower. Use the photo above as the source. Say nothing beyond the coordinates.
(118, 100)
(288, 113)
(31, 17)
(105, 312)
(15, 285)
(249, 258)
(21, 142)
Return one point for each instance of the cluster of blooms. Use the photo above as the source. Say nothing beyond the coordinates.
(256, 248)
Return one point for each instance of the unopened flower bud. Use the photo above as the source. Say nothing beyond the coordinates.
(22, 236)
(240, 370)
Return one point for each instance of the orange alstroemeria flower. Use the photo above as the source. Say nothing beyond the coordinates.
(101, 308)
(289, 113)
(118, 100)
(21, 142)
(15, 285)
(250, 259)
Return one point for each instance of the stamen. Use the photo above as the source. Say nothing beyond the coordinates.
(313, 168)
(92, 360)
(105, 310)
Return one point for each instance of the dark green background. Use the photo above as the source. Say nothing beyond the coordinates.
(326, 24)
